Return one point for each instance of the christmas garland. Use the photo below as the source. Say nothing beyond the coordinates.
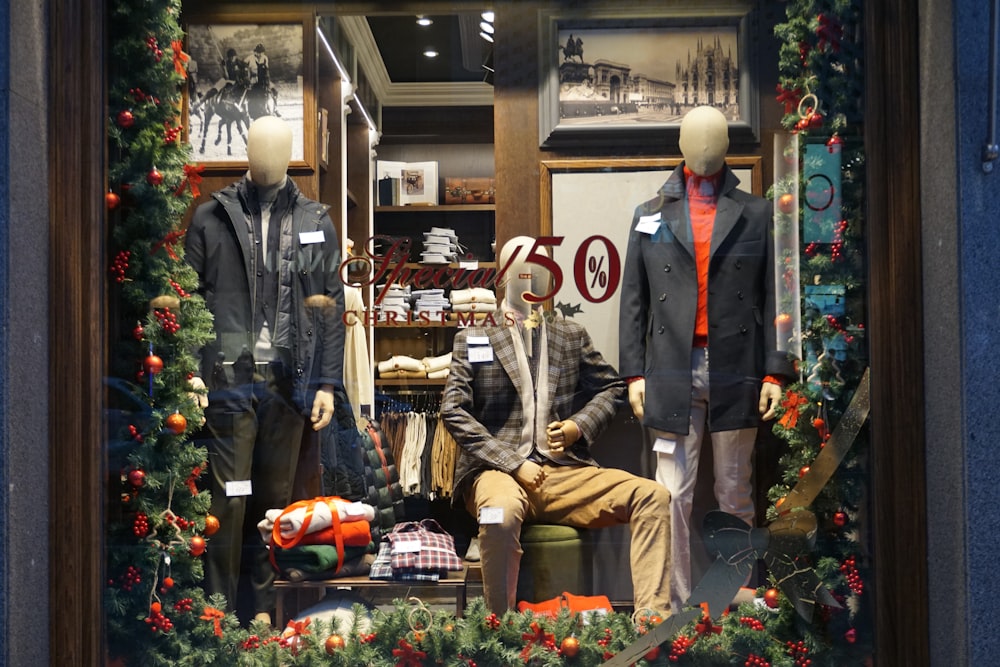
(158, 524)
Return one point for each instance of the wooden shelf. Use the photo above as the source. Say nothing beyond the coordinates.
(427, 382)
(438, 208)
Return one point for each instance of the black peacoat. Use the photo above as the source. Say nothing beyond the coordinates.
(659, 302)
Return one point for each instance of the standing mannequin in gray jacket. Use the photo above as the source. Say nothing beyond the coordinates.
(696, 330)
(267, 258)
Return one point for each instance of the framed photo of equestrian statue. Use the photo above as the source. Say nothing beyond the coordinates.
(612, 77)
(244, 67)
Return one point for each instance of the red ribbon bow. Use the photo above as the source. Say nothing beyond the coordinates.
(789, 96)
(215, 615)
(792, 403)
(705, 627)
(829, 31)
(177, 46)
(168, 243)
(537, 636)
(192, 177)
(298, 627)
(408, 655)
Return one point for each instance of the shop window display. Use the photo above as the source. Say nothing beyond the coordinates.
(160, 519)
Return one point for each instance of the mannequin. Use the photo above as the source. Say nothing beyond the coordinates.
(698, 285)
(267, 260)
(524, 433)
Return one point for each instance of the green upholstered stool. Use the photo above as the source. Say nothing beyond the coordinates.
(555, 560)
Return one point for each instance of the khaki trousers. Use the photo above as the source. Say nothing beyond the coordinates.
(583, 497)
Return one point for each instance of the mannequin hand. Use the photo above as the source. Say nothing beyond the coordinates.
(562, 434)
(322, 411)
(637, 397)
(198, 394)
(770, 397)
(530, 475)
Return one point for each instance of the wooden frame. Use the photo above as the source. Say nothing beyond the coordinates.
(289, 40)
(638, 78)
(588, 203)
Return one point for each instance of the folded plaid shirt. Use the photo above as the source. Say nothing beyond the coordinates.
(422, 547)
(381, 569)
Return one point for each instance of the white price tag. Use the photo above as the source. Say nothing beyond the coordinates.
(305, 238)
(481, 353)
(648, 224)
(406, 546)
(479, 340)
(489, 515)
(664, 446)
(241, 488)
(470, 265)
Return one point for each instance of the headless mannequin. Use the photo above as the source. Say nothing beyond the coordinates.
(529, 278)
(704, 140)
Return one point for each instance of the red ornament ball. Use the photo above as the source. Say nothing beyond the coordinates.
(786, 203)
(211, 525)
(333, 644)
(840, 519)
(111, 200)
(176, 423)
(570, 647)
(168, 582)
(152, 364)
(136, 478)
(652, 654)
(154, 177)
(138, 333)
(771, 596)
(197, 545)
(803, 471)
(126, 118)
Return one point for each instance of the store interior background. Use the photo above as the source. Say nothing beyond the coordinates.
(49, 596)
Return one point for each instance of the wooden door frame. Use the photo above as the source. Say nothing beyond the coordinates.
(78, 332)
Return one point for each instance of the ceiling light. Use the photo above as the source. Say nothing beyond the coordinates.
(486, 36)
(486, 27)
(430, 53)
(488, 15)
(424, 21)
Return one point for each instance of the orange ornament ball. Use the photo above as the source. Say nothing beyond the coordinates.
(176, 423)
(334, 643)
(786, 203)
(197, 545)
(211, 524)
(152, 364)
(570, 647)
(771, 596)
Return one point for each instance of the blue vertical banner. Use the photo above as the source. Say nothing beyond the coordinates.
(822, 193)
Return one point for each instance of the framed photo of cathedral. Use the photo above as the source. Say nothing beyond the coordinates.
(613, 77)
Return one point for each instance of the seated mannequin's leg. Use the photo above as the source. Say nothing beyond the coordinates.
(499, 543)
(592, 497)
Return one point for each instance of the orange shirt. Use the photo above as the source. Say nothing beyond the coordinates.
(702, 197)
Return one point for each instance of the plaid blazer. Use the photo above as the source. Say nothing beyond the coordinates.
(481, 407)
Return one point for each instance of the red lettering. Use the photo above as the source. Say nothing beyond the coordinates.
(349, 315)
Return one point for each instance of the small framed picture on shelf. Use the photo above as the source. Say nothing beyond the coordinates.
(419, 183)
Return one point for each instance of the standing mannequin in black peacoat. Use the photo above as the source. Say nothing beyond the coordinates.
(697, 334)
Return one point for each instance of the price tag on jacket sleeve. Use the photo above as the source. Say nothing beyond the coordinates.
(488, 515)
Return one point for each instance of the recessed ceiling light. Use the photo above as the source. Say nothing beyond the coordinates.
(488, 15)
(430, 53)
(424, 21)
(486, 27)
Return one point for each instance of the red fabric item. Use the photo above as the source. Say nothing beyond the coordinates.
(575, 604)
(356, 534)
(703, 196)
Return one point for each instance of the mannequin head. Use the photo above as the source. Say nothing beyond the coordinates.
(521, 276)
(269, 150)
(704, 140)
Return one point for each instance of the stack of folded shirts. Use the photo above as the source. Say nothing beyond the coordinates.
(473, 300)
(440, 246)
(431, 301)
(401, 367)
(396, 300)
(437, 367)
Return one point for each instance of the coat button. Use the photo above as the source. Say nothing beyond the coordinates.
(663, 297)
(739, 264)
(739, 294)
(660, 330)
(309, 332)
(743, 329)
(666, 269)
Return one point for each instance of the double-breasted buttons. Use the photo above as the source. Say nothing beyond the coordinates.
(663, 297)
(666, 268)
(661, 329)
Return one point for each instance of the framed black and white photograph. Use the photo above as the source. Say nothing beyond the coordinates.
(242, 70)
(608, 79)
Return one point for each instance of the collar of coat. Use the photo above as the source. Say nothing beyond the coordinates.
(674, 188)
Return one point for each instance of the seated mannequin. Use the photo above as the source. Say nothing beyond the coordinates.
(524, 400)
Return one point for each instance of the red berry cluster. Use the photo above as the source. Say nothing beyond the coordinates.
(752, 623)
(754, 660)
(140, 526)
(154, 47)
(183, 605)
(130, 578)
(492, 622)
(181, 522)
(167, 319)
(839, 328)
(803, 52)
(849, 568)
(367, 639)
(180, 290)
(156, 621)
(141, 97)
(120, 265)
(799, 652)
(837, 250)
(251, 643)
(679, 647)
(133, 431)
(606, 639)
(170, 133)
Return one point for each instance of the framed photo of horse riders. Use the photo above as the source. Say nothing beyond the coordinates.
(611, 78)
(242, 67)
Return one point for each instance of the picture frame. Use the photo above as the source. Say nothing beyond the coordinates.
(619, 77)
(269, 57)
(586, 198)
(419, 184)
